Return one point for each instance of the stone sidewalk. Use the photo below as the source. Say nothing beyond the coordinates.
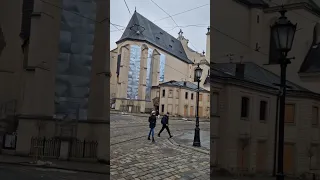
(88, 167)
(143, 160)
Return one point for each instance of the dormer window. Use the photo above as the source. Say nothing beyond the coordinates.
(170, 46)
(161, 33)
(172, 40)
(157, 38)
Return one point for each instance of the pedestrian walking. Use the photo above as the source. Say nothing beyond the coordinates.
(165, 124)
(152, 125)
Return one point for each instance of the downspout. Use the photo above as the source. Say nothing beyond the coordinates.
(276, 138)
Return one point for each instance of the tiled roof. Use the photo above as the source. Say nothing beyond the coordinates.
(185, 84)
(154, 35)
(311, 64)
(255, 3)
(252, 73)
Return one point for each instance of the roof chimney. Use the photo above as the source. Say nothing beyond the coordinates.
(240, 70)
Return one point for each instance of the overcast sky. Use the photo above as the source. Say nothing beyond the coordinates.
(197, 20)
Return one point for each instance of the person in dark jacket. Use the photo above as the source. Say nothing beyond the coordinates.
(165, 124)
(152, 125)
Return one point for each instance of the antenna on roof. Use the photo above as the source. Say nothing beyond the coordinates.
(135, 9)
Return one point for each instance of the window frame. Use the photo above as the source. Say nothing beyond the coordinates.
(265, 110)
(163, 93)
(217, 104)
(294, 114)
(186, 95)
(170, 95)
(247, 110)
(317, 120)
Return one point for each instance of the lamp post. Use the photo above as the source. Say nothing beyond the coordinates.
(283, 33)
(196, 140)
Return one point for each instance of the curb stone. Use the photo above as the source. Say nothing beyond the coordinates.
(55, 167)
(188, 147)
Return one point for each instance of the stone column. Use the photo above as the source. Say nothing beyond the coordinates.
(155, 64)
(124, 70)
(99, 98)
(143, 72)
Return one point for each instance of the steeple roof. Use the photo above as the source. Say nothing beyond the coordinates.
(142, 29)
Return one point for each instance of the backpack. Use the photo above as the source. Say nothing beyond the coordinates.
(164, 120)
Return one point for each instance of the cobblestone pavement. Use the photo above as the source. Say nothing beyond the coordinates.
(134, 157)
(8, 172)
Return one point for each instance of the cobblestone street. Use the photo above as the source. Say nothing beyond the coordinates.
(134, 157)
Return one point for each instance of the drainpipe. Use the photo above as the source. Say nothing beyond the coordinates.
(276, 138)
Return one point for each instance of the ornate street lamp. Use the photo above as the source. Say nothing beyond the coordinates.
(196, 140)
(283, 33)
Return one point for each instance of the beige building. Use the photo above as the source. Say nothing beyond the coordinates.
(54, 78)
(145, 57)
(244, 96)
(179, 99)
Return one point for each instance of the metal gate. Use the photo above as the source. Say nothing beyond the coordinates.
(43, 147)
(83, 149)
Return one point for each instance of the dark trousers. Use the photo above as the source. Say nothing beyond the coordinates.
(164, 126)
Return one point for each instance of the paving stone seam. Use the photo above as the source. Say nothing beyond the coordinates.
(188, 147)
(128, 140)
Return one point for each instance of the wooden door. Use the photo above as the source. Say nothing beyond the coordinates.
(200, 112)
(185, 111)
(261, 157)
(191, 111)
(243, 156)
(288, 159)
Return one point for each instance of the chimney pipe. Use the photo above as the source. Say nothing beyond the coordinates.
(240, 70)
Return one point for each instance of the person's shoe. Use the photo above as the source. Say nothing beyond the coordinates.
(158, 135)
(153, 139)
(149, 138)
(171, 136)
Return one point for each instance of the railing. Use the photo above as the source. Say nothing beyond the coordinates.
(42, 147)
(83, 149)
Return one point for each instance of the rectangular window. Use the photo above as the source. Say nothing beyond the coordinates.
(315, 115)
(170, 93)
(263, 110)
(162, 108)
(186, 96)
(177, 94)
(215, 104)
(289, 113)
(191, 96)
(158, 94)
(163, 93)
(245, 107)
(200, 97)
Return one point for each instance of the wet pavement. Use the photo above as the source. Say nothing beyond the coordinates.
(134, 157)
(187, 139)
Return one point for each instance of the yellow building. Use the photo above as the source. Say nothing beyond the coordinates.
(147, 56)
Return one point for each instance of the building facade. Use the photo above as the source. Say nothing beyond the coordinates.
(245, 97)
(54, 74)
(244, 115)
(147, 56)
(179, 98)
